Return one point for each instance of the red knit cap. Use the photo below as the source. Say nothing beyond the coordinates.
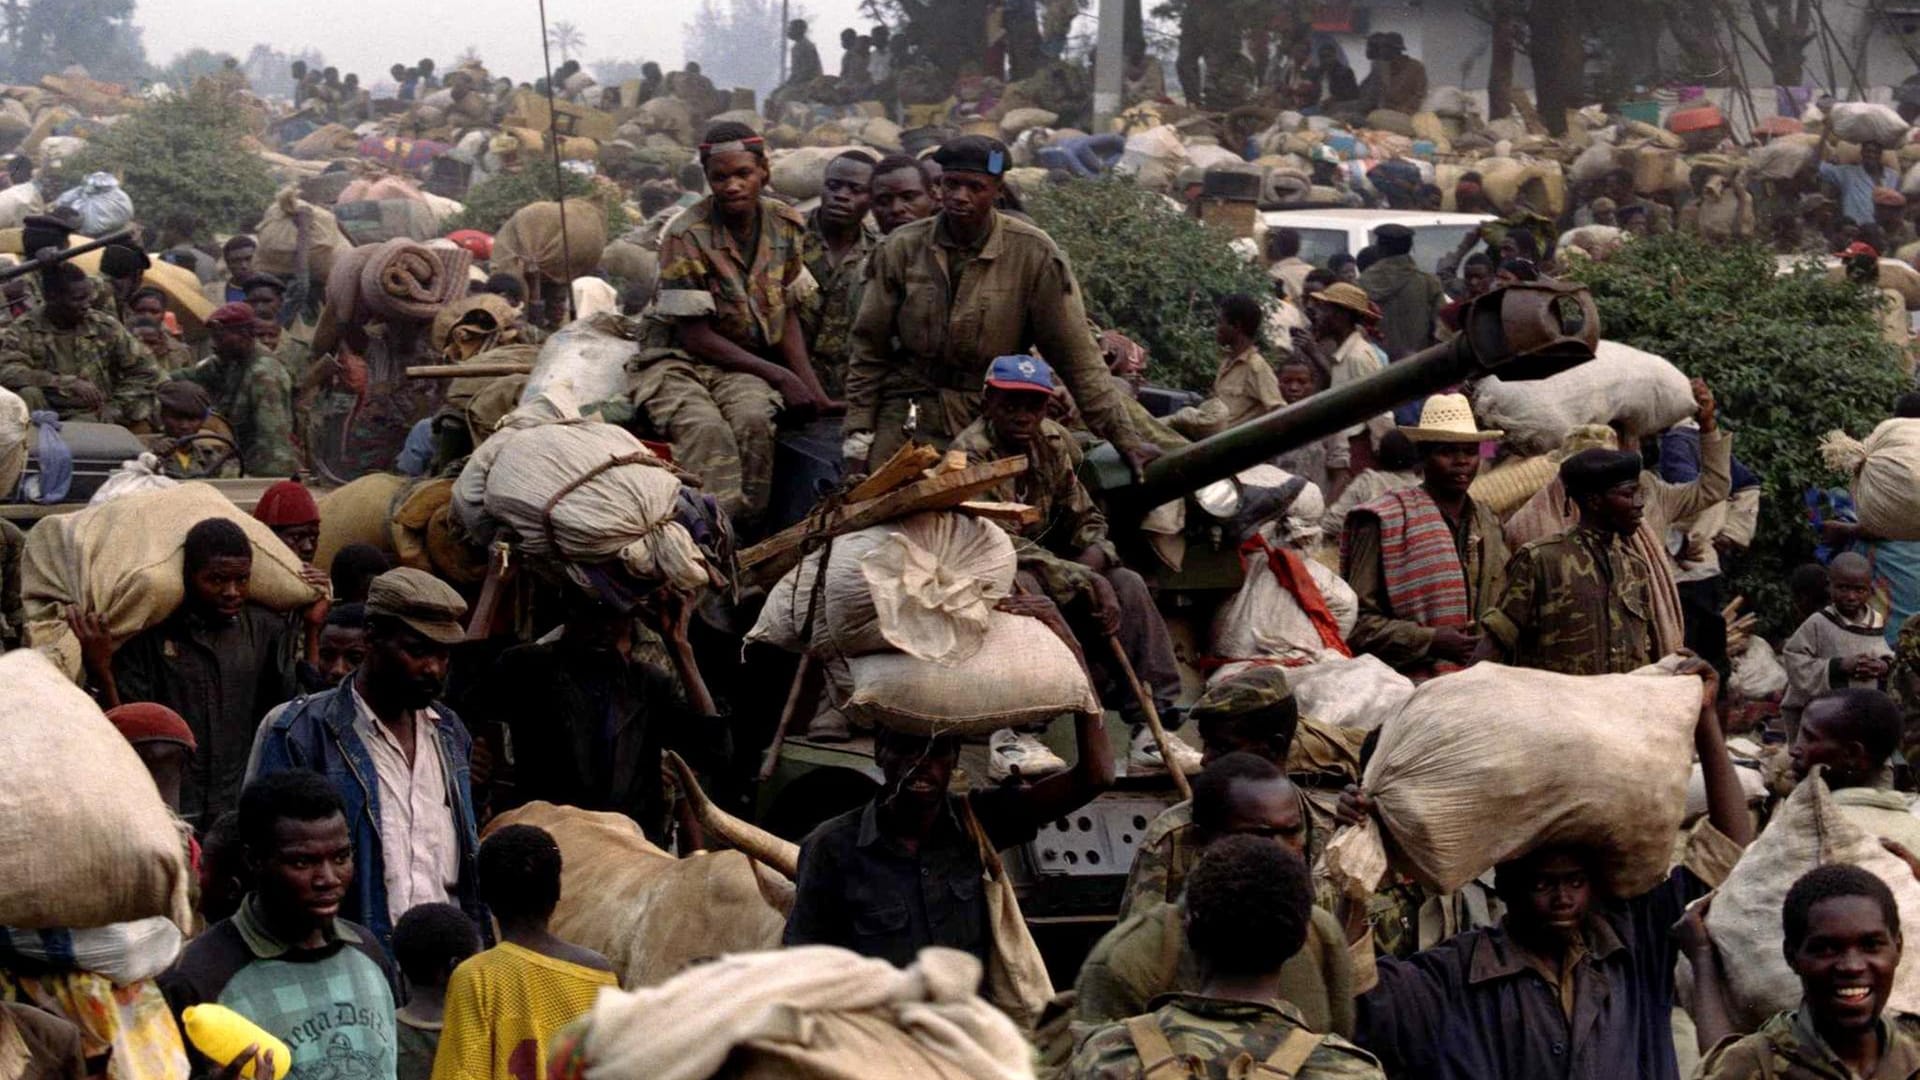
(286, 503)
(147, 721)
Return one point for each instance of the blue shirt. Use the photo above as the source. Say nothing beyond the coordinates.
(1856, 188)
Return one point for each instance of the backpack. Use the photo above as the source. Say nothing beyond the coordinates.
(1159, 1062)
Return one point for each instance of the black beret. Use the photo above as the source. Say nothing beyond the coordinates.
(1591, 471)
(973, 153)
(119, 260)
(40, 231)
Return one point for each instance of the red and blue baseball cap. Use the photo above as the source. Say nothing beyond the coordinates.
(1021, 372)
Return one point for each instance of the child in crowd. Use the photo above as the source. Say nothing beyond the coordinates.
(1843, 644)
(428, 943)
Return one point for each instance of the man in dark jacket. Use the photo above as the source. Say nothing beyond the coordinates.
(1409, 298)
(397, 757)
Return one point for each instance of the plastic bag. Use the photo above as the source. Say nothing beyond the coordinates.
(586, 360)
(140, 474)
(1357, 692)
(101, 203)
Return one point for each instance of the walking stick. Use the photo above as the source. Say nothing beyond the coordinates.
(794, 696)
(1153, 718)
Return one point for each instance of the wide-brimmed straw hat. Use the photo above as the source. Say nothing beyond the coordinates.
(1349, 296)
(1447, 418)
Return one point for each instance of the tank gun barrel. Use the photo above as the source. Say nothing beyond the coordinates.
(1524, 331)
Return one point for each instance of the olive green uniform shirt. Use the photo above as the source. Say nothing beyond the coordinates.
(1580, 604)
(1070, 521)
(255, 397)
(35, 355)
(1788, 1048)
(1219, 1039)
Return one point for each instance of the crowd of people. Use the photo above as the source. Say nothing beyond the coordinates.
(338, 769)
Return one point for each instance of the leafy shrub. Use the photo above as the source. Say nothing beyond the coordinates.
(183, 157)
(1148, 271)
(493, 200)
(1789, 356)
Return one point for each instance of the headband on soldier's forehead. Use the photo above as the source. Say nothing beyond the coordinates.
(755, 145)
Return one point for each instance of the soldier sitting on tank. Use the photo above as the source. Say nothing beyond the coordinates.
(1067, 555)
(78, 362)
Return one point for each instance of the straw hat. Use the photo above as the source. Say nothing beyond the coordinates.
(1349, 296)
(1447, 418)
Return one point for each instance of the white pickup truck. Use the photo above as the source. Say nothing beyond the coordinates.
(1326, 233)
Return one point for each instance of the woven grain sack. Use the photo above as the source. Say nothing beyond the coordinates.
(1154, 157)
(669, 116)
(1019, 120)
(1620, 384)
(277, 236)
(532, 238)
(1808, 830)
(1653, 169)
(1430, 127)
(801, 173)
(1358, 692)
(1391, 120)
(1785, 158)
(15, 422)
(1658, 136)
(122, 560)
(1022, 673)
(1488, 764)
(1895, 274)
(1594, 163)
(426, 538)
(1507, 486)
(1862, 121)
(88, 840)
(357, 512)
(1886, 476)
(1500, 179)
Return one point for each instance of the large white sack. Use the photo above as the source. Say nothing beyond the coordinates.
(123, 952)
(123, 560)
(1808, 830)
(1153, 157)
(88, 840)
(1786, 157)
(1863, 121)
(1620, 384)
(616, 500)
(1264, 621)
(131, 478)
(20, 202)
(586, 360)
(1022, 673)
(100, 202)
(1488, 764)
(1356, 692)
(1886, 476)
(1757, 673)
(801, 173)
(15, 421)
(1210, 155)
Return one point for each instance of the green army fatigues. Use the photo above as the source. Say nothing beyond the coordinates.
(935, 315)
(1788, 1048)
(721, 422)
(828, 317)
(35, 356)
(1218, 1039)
(1580, 604)
(1070, 521)
(255, 398)
(1146, 955)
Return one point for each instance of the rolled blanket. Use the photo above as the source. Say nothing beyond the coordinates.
(399, 279)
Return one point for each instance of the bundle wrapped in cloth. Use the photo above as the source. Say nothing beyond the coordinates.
(278, 235)
(809, 1013)
(1886, 476)
(1808, 830)
(398, 279)
(586, 360)
(532, 241)
(580, 491)
(124, 560)
(89, 841)
(1621, 384)
(1491, 763)
(909, 607)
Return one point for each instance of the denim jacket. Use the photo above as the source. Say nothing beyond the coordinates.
(316, 732)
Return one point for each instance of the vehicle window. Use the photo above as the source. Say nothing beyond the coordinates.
(1319, 245)
(1431, 242)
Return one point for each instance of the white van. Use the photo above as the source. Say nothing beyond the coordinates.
(1326, 233)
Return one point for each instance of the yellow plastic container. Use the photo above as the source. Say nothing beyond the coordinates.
(221, 1034)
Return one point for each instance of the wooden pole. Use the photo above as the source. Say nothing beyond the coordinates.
(1153, 718)
(795, 694)
(465, 371)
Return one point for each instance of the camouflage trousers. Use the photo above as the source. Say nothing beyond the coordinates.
(721, 426)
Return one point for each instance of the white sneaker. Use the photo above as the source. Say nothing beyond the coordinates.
(1013, 753)
(1143, 756)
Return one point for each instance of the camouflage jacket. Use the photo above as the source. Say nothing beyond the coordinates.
(828, 317)
(1788, 1048)
(35, 356)
(255, 398)
(1903, 682)
(1215, 1039)
(1580, 604)
(746, 295)
(1070, 521)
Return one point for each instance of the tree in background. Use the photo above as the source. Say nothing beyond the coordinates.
(268, 70)
(738, 42)
(566, 38)
(52, 35)
(183, 157)
(190, 65)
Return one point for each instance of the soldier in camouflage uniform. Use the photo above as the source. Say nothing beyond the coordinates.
(837, 243)
(1842, 934)
(75, 361)
(1249, 905)
(1067, 551)
(944, 296)
(732, 286)
(251, 391)
(1580, 603)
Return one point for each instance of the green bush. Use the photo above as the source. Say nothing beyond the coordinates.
(183, 156)
(1789, 356)
(1147, 271)
(493, 200)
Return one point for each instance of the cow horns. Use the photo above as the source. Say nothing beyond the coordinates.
(755, 842)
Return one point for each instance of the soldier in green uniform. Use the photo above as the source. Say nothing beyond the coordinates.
(123, 268)
(1066, 552)
(732, 286)
(1580, 603)
(77, 362)
(945, 296)
(1843, 941)
(251, 391)
(1248, 912)
(837, 243)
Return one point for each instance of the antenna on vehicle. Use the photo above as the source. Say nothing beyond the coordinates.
(559, 178)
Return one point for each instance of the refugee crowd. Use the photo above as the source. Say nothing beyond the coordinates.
(434, 762)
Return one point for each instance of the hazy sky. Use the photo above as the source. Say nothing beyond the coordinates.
(369, 36)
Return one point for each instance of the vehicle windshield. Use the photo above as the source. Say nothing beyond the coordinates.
(1319, 245)
(1432, 242)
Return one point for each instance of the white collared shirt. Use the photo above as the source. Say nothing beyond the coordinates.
(419, 842)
